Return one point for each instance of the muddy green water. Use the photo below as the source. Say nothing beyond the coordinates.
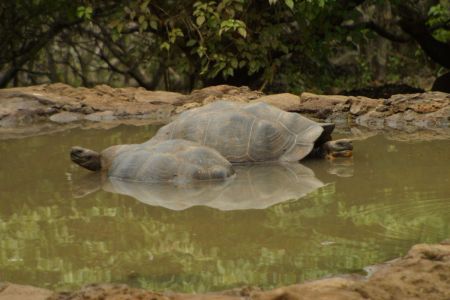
(59, 230)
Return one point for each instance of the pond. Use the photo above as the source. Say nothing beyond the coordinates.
(61, 229)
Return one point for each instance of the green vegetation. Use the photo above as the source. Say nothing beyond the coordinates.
(180, 45)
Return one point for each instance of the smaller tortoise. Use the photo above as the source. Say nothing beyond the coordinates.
(177, 161)
(256, 132)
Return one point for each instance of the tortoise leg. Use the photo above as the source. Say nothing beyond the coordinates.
(338, 148)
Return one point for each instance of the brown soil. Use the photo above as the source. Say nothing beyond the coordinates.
(424, 273)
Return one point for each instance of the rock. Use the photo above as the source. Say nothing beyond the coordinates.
(29, 105)
(324, 106)
(16, 111)
(186, 106)
(312, 103)
(420, 103)
(396, 121)
(9, 291)
(333, 288)
(410, 112)
(101, 116)
(285, 101)
(223, 92)
(109, 292)
(86, 110)
(382, 108)
(66, 117)
(372, 119)
(361, 105)
(421, 274)
(160, 97)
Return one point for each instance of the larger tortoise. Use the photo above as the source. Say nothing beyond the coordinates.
(256, 132)
(177, 161)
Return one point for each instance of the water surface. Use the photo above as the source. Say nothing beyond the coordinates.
(59, 230)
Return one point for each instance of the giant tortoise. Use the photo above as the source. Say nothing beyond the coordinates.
(256, 132)
(177, 161)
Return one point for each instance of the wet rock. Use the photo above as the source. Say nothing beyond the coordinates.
(15, 111)
(66, 117)
(160, 97)
(101, 116)
(396, 121)
(372, 119)
(285, 101)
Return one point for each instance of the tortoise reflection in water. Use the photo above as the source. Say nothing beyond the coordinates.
(255, 186)
(255, 132)
(177, 161)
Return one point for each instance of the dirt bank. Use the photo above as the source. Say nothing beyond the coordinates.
(54, 107)
(424, 273)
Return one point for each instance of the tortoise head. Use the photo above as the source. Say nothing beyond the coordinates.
(338, 148)
(86, 158)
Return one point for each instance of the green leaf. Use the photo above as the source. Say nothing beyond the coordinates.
(289, 3)
(80, 11)
(201, 51)
(242, 31)
(191, 43)
(88, 10)
(234, 62)
(165, 46)
(144, 5)
(154, 24)
(143, 26)
(200, 20)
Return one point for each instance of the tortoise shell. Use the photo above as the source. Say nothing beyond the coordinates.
(177, 161)
(242, 133)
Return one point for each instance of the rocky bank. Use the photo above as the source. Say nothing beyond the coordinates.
(54, 107)
(424, 273)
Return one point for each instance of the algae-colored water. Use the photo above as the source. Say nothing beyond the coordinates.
(59, 229)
